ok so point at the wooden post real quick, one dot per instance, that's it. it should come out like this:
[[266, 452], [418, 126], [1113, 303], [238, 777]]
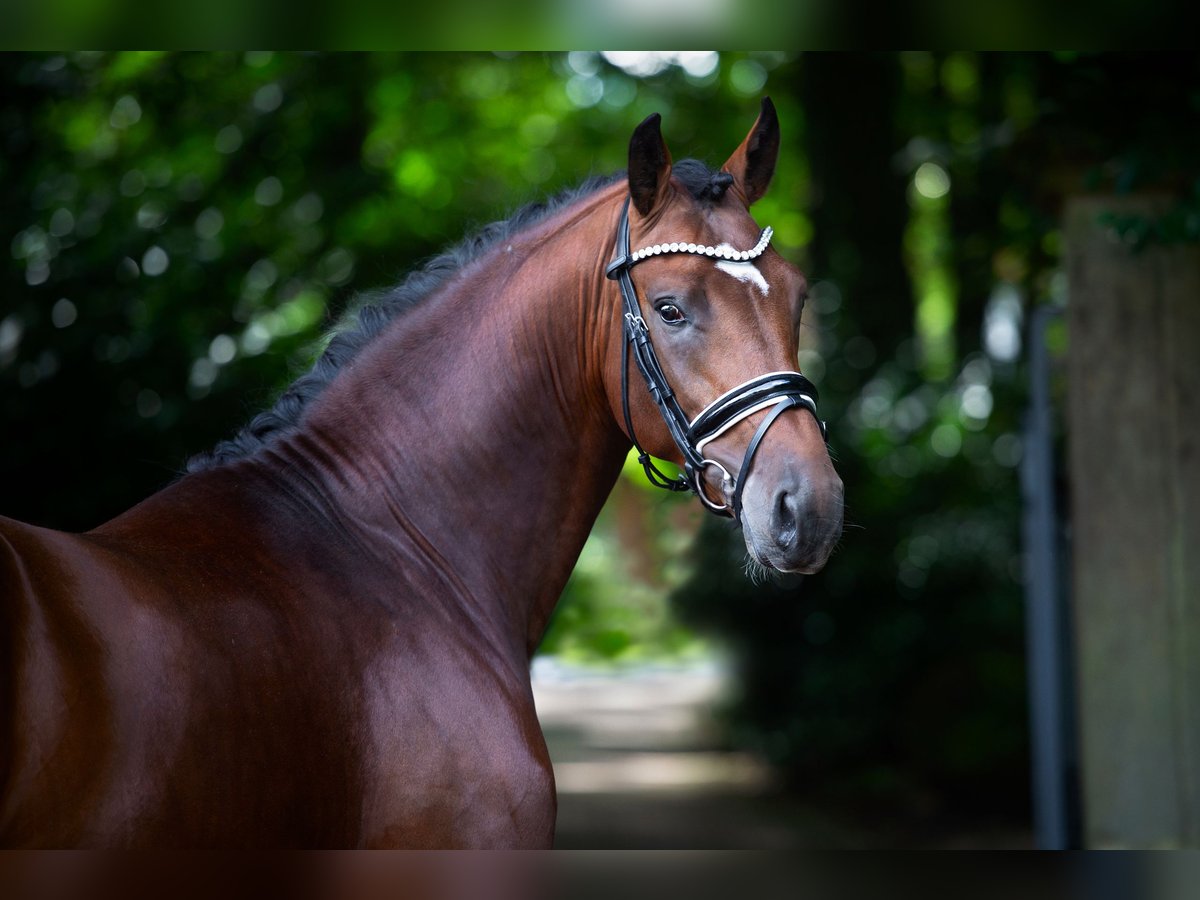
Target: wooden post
[[1134, 444]]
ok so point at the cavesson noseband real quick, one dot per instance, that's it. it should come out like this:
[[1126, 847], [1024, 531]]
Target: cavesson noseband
[[776, 390]]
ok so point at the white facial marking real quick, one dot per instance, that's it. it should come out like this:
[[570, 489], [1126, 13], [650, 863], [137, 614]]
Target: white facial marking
[[743, 271]]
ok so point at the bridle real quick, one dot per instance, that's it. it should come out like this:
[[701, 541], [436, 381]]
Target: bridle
[[778, 391]]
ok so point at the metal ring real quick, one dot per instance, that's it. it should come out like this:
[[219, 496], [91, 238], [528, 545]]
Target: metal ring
[[728, 480]]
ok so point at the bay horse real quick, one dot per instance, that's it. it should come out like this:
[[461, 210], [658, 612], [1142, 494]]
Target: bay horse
[[320, 635]]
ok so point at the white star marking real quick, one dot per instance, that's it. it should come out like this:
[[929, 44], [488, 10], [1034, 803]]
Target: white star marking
[[743, 271]]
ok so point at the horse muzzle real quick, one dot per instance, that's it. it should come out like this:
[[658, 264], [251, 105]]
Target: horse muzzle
[[792, 521]]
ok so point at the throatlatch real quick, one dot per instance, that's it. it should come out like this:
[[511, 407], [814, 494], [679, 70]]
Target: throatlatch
[[775, 390]]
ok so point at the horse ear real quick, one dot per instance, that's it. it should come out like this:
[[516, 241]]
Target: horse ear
[[649, 165], [753, 163]]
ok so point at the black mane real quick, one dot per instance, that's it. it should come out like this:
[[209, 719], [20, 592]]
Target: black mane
[[372, 313]]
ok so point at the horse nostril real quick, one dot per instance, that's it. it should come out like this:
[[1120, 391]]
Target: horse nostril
[[787, 506]]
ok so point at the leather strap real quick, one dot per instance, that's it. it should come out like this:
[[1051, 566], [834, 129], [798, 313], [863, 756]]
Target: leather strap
[[637, 338], [732, 406], [744, 472]]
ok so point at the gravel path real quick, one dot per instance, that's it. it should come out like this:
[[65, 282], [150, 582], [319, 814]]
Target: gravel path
[[639, 765]]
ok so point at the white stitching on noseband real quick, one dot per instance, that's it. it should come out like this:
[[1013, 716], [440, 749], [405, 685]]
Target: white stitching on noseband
[[745, 414]]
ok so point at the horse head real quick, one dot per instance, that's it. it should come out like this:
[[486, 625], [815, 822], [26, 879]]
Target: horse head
[[711, 318]]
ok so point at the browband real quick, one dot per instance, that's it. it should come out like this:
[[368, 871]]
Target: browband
[[722, 252]]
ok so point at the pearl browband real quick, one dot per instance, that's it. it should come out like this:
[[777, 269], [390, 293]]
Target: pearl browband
[[722, 252]]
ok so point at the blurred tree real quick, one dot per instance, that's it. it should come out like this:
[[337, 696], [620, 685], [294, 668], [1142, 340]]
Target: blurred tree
[[900, 668]]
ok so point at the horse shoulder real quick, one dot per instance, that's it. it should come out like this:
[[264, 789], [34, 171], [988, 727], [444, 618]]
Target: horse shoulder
[[153, 685], [58, 716], [453, 751]]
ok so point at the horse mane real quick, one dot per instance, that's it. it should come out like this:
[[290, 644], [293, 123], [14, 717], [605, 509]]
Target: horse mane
[[371, 312]]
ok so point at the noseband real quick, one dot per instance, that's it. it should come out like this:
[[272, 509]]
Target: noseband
[[775, 390]]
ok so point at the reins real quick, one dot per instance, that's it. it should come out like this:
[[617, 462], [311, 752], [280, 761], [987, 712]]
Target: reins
[[778, 391]]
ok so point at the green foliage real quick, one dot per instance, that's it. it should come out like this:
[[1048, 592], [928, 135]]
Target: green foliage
[[616, 607], [184, 227], [1180, 224]]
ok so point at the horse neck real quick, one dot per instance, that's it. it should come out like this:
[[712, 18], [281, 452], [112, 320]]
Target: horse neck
[[477, 425]]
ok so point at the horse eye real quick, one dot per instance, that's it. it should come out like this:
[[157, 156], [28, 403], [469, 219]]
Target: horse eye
[[671, 314]]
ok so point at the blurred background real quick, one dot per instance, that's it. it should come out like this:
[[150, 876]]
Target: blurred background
[[181, 230]]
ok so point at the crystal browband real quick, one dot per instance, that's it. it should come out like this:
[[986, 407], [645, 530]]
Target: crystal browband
[[724, 252]]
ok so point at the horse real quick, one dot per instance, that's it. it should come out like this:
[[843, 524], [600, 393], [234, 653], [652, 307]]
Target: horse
[[320, 634]]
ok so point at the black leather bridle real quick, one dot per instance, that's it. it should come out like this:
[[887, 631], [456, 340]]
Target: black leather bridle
[[777, 391]]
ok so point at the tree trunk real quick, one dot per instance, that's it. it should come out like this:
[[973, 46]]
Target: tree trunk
[[1134, 427]]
